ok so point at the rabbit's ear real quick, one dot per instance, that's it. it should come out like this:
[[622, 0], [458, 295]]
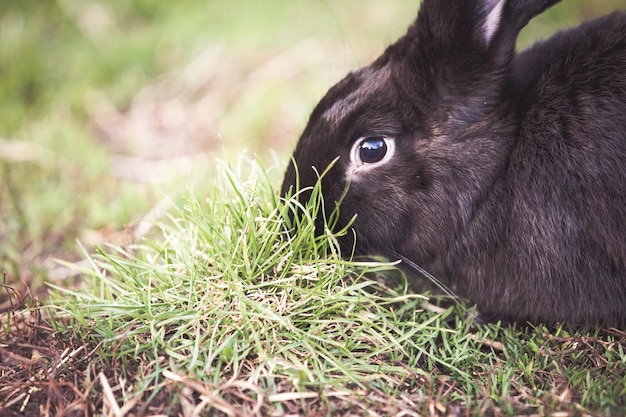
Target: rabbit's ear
[[458, 53], [475, 26]]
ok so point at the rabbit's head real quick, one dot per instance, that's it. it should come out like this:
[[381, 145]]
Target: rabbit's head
[[414, 138]]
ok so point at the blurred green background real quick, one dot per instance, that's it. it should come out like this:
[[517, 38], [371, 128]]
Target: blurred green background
[[107, 106]]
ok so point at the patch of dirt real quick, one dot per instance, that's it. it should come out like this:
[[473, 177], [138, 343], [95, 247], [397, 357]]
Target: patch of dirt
[[40, 369]]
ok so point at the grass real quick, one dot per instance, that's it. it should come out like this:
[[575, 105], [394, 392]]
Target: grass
[[188, 294]]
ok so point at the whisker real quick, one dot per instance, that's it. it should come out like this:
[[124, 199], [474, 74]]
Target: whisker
[[429, 276]]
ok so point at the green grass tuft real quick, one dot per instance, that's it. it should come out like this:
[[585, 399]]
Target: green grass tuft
[[225, 289]]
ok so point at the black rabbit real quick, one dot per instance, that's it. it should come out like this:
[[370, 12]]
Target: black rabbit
[[503, 173]]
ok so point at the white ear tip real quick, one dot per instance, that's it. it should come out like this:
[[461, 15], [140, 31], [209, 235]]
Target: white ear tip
[[492, 22]]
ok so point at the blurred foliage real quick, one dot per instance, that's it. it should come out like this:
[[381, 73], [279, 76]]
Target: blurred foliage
[[61, 48]]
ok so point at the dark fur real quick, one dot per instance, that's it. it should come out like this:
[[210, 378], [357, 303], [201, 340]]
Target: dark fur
[[509, 176]]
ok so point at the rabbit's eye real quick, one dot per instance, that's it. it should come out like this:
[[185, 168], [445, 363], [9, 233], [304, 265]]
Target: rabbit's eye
[[372, 150], [369, 153]]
